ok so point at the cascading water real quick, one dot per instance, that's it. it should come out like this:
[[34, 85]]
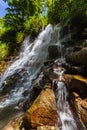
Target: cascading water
[[66, 116], [27, 65], [22, 72], [68, 122]]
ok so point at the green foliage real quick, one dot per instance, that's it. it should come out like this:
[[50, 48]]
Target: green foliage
[[3, 51], [3, 29], [58, 10], [9, 37], [19, 37], [24, 8], [34, 25], [62, 10], [23, 18], [27, 17]]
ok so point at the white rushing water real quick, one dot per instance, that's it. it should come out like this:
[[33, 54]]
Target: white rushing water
[[68, 122], [27, 65], [31, 55]]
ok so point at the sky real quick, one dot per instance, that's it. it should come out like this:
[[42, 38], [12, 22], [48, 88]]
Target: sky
[[3, 6]]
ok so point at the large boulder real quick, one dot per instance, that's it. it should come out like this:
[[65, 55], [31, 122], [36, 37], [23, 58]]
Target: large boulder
[[78, 57], [43, 111]]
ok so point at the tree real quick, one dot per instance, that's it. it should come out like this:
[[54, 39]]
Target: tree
[[62, 10], [18, 13]]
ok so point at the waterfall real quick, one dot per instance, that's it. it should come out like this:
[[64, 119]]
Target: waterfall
[[27, 65], [66, 116]]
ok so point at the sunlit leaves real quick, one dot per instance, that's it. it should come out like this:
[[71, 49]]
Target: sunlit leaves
[[3, 50], [34, 25], [65, 9], [19, 37]]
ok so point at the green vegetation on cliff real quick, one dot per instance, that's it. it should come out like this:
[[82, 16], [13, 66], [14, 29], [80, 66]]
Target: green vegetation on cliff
[[26, 17]]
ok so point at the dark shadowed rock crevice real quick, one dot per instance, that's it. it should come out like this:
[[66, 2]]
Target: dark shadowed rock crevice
[[78, 57], [53, 51]]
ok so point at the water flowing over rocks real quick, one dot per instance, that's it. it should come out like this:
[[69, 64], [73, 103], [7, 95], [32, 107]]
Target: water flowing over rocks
[[51, 98], [50, 110], [16, 82]]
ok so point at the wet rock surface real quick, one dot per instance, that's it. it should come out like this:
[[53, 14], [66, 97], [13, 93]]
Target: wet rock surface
[[43, 111], [81, 107]]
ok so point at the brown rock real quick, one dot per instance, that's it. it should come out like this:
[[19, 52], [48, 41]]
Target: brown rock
[[78, 86], [81, 107], [77, 83], [43, 111], [14, 124], [47, 128]]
